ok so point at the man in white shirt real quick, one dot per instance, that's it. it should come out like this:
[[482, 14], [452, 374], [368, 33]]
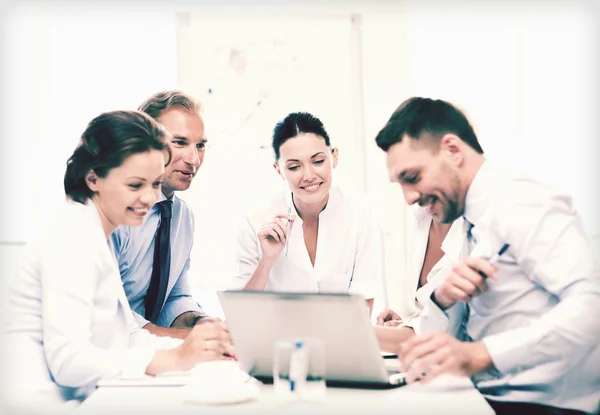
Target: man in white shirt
[[531, 341]]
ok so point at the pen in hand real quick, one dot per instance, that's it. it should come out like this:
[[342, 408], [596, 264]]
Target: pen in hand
[[494, 259], [288, 228]]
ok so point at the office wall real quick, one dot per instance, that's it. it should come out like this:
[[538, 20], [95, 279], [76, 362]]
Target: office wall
[[64, 65], [61, 66], [525, 74]]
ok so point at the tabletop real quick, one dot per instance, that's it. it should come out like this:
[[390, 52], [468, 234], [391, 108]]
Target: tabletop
[[445, 394]]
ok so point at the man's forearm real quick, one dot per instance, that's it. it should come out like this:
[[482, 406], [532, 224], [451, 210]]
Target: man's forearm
[[180, 327], [187, 319], [390, 337]]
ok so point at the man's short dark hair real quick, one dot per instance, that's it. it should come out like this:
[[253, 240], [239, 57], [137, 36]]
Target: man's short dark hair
[[417, 115]]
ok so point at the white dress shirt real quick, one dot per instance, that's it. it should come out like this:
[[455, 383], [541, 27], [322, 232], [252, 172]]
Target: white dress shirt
[[347, 258], [538, 319], [417, 227], [68, 322]]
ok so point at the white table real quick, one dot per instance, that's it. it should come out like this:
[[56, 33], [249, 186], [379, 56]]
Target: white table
[[446, 394]]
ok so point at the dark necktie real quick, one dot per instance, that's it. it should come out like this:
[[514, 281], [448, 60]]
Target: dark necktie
[[162, 262], [471, 241], [469, 245]]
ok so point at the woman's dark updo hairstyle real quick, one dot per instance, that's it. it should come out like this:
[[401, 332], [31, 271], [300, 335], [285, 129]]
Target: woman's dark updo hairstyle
[[107, 141], [294, 124]]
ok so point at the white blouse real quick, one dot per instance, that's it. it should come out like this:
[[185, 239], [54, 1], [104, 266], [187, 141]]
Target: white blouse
[[348, 248], [418, 225], [68, 322]]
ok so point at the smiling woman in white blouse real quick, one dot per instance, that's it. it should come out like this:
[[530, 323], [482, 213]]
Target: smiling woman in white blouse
[[433, 250], [312, 236], [68, 322]]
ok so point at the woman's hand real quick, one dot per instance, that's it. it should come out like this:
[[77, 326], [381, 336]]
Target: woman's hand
[[273, 235], [207, 341], [388, 317]]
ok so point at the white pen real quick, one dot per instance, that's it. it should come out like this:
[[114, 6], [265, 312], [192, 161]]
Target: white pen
[[288, 228], [494, 259]]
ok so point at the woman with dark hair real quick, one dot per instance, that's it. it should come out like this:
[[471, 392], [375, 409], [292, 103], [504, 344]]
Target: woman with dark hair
[[312, 237], [68, 320]]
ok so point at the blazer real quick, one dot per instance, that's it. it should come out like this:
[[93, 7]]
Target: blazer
[[68, 322]]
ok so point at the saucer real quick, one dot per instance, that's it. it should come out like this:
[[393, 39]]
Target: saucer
[[220, 394]]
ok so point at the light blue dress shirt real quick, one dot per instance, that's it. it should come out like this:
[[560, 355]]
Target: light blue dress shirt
[[134, 248]]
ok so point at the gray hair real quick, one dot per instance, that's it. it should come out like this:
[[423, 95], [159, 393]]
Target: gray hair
[[163, 101]]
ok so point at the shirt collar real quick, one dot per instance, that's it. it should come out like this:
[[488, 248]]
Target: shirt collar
[[162, 198], [476, 198], [454, 240], [91, 207], [332, 202]]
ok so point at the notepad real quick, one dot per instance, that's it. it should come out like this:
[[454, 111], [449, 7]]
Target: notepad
[[174, 378]]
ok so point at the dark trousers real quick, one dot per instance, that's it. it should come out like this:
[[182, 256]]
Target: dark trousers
[[506, 408]]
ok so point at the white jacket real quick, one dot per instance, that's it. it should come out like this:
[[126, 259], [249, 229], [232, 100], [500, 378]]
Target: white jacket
[[68, 322]]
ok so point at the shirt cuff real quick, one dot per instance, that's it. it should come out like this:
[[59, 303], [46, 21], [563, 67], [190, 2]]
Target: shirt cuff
[[433, 318], [135, 362], [414, 323], [511, 350], [141, 321], [175, 308], [143, 338]]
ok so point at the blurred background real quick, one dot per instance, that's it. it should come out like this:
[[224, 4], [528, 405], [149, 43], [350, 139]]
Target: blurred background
[[525, 73]]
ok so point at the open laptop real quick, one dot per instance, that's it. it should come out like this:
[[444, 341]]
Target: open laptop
[[258, 319]]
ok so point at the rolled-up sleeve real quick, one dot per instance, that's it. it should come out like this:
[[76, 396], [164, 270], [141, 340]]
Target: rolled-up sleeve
[[554, 251], [180, 300], [453, 320], [247, 253], [139, 319]]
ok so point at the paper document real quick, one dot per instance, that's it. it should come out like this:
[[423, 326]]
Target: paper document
[[174, 378]]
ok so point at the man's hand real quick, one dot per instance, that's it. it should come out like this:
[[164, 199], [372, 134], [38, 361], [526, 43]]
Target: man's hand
[[426, 356], [388, 318], [464, 282]]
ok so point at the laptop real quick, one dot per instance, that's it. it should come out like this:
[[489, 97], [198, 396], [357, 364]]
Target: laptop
[[258, 319]]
